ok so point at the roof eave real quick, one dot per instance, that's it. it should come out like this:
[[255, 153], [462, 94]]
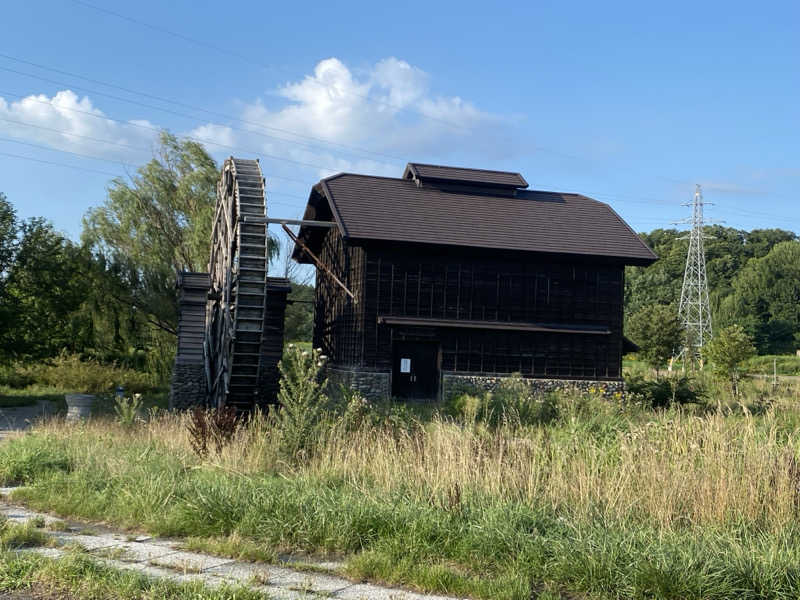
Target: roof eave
[[322, 190]]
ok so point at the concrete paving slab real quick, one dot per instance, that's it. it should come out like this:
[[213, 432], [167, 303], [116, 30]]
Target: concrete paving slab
[[368, 591], [90, 542], [188, 562], [309, 581], [141, 552], [242, 571], [162, 558], [279, 593], [46, 552], [21, 515]]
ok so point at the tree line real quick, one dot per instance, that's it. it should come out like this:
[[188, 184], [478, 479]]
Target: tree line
[[111, 295], [753, 280]]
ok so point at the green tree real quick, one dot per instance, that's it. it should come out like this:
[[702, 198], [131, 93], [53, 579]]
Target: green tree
[[299, 322], [766, 298], [44, 290], [657, 331], [157, 223], [8, 236], [727, 253], [727, 351]]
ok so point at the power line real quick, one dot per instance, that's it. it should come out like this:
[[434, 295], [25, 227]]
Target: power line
[[51, 149], [153, 107], [71, 134], [602, 196], [264, 65], [351, 149], [598, 195], [259, 125], [354, 149], [57, 164], [172, 33], [191, 138], [13, 141]]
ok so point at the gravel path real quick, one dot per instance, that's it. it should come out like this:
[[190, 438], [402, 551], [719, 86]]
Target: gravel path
[[163, 558]]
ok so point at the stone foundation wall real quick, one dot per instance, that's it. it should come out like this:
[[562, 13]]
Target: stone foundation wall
[[373, 385], [188, 386], [453, 385]]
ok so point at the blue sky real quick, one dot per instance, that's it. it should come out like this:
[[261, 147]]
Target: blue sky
[[631, 103]]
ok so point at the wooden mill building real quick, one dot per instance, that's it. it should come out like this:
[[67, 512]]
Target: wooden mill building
[[465, 275]]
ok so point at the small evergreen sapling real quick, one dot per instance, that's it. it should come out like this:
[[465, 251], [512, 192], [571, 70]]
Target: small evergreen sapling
[[302, 398]]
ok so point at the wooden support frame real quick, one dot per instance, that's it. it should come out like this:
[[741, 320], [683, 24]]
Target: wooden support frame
[[302, 222], [318, 262]]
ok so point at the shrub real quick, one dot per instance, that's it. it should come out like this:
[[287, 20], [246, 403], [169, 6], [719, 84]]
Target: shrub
[[514, 402], [658, 332], [727, 351], [212, 427], [127, 409], [355, 410], [352, 410], [70, 373], [17, 376], [302, 398], [664, 392]]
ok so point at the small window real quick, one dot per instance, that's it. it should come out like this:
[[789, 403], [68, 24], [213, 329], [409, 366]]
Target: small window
[[405, 365]]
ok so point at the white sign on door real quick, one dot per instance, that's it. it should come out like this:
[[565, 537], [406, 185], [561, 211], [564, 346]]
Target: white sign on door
[[405, 365]]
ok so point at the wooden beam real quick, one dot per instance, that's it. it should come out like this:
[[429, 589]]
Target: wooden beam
[[318, 262], [494, 325], [302, 222]]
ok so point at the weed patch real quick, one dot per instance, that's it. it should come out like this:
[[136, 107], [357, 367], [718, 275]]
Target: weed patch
[[79, 575], [600, 499]]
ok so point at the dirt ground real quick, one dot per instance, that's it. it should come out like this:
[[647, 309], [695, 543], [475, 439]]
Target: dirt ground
[[36, 593]]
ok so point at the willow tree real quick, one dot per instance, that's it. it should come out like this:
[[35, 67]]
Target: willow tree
[[151, 225]]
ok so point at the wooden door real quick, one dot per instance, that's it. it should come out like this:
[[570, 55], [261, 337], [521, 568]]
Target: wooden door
[[415, 372]]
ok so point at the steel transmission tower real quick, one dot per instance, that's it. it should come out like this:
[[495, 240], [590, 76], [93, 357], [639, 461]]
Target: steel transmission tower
[[695, 310]]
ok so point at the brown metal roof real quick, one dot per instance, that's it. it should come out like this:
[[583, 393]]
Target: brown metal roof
[[385, 208], [464, 176]]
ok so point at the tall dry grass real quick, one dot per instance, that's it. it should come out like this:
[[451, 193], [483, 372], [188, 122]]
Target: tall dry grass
[[669, 469]]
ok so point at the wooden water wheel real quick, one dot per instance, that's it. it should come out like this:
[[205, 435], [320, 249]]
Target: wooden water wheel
[[235, 311]]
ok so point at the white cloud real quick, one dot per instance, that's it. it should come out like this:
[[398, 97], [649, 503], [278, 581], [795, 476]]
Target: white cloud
[[389, 110], [333, 119], [67, 122]]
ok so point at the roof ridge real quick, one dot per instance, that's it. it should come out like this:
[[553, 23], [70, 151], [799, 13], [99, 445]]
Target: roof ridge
[[403, 180], [332, 177], [464, 168]]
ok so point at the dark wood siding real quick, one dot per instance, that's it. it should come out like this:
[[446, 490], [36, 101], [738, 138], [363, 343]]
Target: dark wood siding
[[193, 293], [407, 281], [272, 341], [339, 321]]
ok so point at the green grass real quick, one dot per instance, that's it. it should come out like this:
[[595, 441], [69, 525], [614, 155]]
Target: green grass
[[79, 576], [14, 536], [787, 364], [305, 346], [30, 396], [495, 551], [604, 501]]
